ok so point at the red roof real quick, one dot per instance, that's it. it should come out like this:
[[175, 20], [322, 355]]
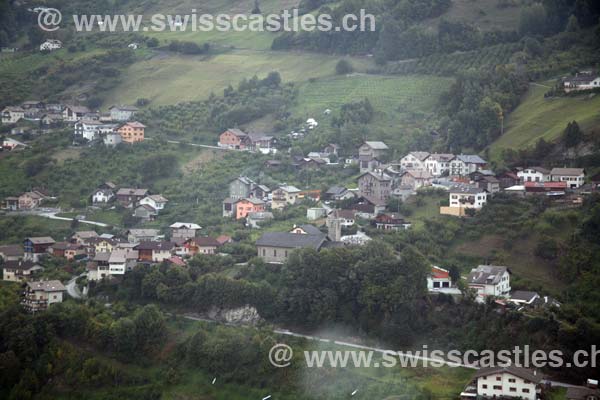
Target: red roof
[[222, 239], [546, 185], [439, 273]]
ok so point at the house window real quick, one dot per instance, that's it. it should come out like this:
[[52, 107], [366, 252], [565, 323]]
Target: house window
[[496, 387], [484, 386], [511, 380], [498, 378], [525, 390], [512, 389], [274, 253]]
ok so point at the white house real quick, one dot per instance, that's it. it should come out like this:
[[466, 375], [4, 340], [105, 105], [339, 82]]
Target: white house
[[50, 45], [12, 115], [155, 201], [122, 113], [121, 261], [112, 139], [574, 177], [438, 278], [415, 160], [465, 164], [463, 197], [283, 196], [91, 130], [504, 382], [75, 113], [585, 80], [102, 196], [534, 174], [40, 295], [490, 280], [438, 164]]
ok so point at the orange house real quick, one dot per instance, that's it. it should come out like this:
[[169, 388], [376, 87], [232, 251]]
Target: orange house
[[234, 139], [245, 206], [132, 132]]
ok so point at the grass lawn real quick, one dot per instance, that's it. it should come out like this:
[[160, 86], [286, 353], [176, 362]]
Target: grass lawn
[[170, 79], [537, 117]]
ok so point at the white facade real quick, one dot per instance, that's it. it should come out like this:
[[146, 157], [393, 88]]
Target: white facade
[[489, 280], [155, 201], [475, 200], [574, 177], [533, 175], [112, 139], [12, 115], [102, 196], [91, 130], [414, 160], [504, 384], [51, 44], [438, 164]]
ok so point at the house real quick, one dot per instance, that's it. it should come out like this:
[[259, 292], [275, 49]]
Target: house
[[248, 205], [142, 235], [122, 113], [184, 230], [508, 179], [585, 80], [415, 178], [533, 174], [82, 237], [375, 185], [74, 113], [51, 45], [283, 196], [504, 382], [12, 144], [52, 118], [370, 155], [112, 139], [262, 143], [68, 250], [438, 278], [145, 212], [11, 252], [358, 239], [260, 192], [102, 196], [11, 203], [35, 247], [311, 194], [201, 245], [462, 198], [129, 197], [19, 270], [256, 219], [485, 179], [155, 251], [437, 164], [275, 247], [155, 201], [306, 229], [31, 200], [523, 297], [121, 261], [12, 115], [574, 177], [338, 193], [554, 189], [464, 164], [91, 130], [241, 187], [229, 207], [391, 222], [595, 181], [234, 139], [331, 149], [415, 160], [588, 392], [101, 245], [367, 207], [132, 132], [314, 213], [97, 271], [346, 218], [41, 294], [490, 280], [224, 239]]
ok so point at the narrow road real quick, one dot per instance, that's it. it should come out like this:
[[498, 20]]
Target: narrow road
[[73, 289], [82, 221]]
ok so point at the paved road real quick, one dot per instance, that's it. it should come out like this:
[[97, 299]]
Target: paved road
[[73, 289], [83, 221]]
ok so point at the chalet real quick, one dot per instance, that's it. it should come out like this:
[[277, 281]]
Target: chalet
[[595, 181], [19, 270], [283, 196], [310, 163], [533, 174], [391, 222], [82, 237], [142, 235], [132, 132], [101, 245], [553, 189], [347, 218], [155, 201], [331, 149], [257, 219], [463, 165], [129, 197], [145, 212], [122, 113], [337, 193], [375, 185], [35, 247], [574, 177], [234, 139], [102, 196], [52, 118], [276, 247], [12, 115], [508, 179], [415, 178], [260, 192], [504, 383], [438, 278], [523, 297], [11, 203], [261, 142], [74, 113], [154, 251], [201, 245], [68, 250], [370, 154], [229, 207], [368, 207], [248, 205], [490, 280], [41, 294], [438, 164], [97, 271], [273, 164], [11, 252], [486, 180], [184, 230], [462, 198], [241, 187], [121, 261], [415, 160], [585, 80], [91, 130], [31, 200]]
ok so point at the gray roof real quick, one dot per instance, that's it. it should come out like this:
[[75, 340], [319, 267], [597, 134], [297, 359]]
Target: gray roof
[[336, 190], [379, 176], [523, 295], [567, 171], [47, 286], [487, 274], [11, 250], [185, 225], [581, 392], [465, 189], [260, 215], [102, 256], [132, 192], [21, 265], [445, 157], [291, 240], [41, 240], [523, 373], [310, 229], [237, 132], [471, 159], [420, 155], [376, 145], [143, 232]]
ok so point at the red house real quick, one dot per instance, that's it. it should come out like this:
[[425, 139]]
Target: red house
[[235, 139]]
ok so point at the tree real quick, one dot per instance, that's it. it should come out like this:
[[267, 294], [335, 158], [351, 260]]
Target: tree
[[572, 135], [152, 42], [533, 20], [343, 67], [572, 24]]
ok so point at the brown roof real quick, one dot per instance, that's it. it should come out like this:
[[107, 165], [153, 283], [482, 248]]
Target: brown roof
[[20, 265], [41, 240], [11, 250], [47, 286], [522, 373], [205, 241], [147, 245]]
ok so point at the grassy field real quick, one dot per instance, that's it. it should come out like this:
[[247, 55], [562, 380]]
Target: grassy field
[[537, 117], [168, 79]]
